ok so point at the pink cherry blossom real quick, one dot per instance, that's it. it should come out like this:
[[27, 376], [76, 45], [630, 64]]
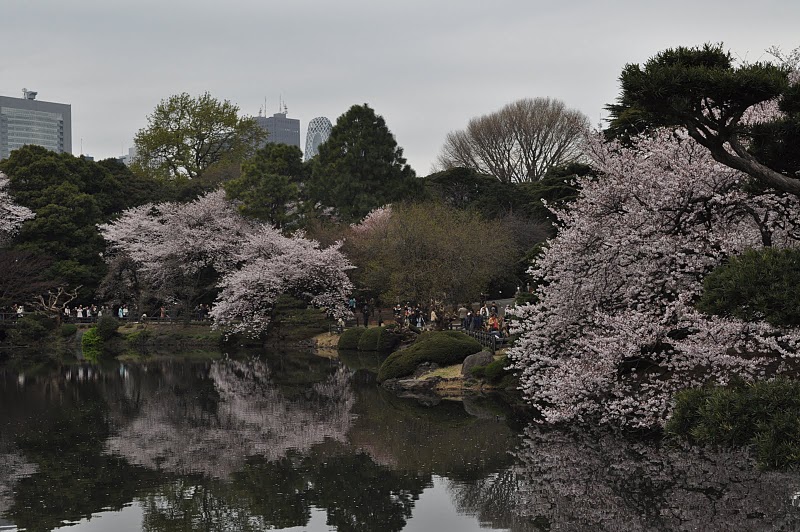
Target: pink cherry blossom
[[174, 243], [11, 214], [614, 333]]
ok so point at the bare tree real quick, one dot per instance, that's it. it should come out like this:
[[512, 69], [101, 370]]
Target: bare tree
[[520, 142]]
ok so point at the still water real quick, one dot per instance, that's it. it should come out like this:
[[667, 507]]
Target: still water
[[293, 441]]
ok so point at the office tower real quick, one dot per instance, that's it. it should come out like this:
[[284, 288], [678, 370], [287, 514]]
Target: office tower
[[27, 120], [280, 128], [319, 129]]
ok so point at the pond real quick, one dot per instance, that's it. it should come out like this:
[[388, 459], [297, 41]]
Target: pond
[[294, 441]]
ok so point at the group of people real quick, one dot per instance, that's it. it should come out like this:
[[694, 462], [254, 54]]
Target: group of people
[[487, 318], [91, 313]]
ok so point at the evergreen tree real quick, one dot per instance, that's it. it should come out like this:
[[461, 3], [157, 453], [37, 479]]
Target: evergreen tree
[[361, 167]]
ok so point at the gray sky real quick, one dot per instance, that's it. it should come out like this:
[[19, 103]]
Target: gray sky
[[426, 66]]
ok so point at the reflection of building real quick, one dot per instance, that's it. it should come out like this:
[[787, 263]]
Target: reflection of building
[[319, 129], [27, 120], [280, 128]]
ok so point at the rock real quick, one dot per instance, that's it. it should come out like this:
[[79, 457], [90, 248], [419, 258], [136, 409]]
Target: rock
[[425, 367], [420, 390], [483, 358]]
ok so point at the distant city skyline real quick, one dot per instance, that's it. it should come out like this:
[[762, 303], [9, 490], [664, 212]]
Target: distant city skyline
[[426, 67]]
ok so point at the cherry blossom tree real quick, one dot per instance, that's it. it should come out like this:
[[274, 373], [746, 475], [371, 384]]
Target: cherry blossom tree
[[185, 251], [11, 214], [614, 333]]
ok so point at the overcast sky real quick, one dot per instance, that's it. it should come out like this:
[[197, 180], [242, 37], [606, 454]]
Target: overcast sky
[[426, 66]]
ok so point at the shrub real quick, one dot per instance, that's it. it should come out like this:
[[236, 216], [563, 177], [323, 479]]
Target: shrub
[[388, 339], [349, 338], [369, 339], [68, 329], [765, 415], [29, 330], [91, 345], [442, 347], [107, 327], [759, 285], [493, 372]]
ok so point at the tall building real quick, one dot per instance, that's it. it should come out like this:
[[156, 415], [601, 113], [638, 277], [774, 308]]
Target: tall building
[[280, 128], [319, 129], [27, 120]]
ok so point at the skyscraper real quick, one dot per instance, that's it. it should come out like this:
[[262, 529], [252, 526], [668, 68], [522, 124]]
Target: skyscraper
[[27, 120], [280, 128], [319, 129]]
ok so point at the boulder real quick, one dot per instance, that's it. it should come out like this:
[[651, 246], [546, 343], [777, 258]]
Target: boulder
[[425, 367], [484, 358]]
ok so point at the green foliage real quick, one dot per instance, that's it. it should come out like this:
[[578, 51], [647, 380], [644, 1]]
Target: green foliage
[[360, 167], [759, 285], [430, 251], [369, 339], [557, 187], [703, 91], [466, 189], [350, 338], [388, 338], [668, 90], [29, 330], [68, 329], [185, 136], [70, 196], [493, 372], [442, 347], [92, 345], [765, 414], [268, 188], [107, 327]]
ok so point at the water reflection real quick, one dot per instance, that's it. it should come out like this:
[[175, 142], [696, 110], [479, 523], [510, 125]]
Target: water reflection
[[274, 442], [580, 480], [235, 410]]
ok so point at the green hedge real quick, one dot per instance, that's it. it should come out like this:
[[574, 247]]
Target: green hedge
[[349, 338], [493, 372], [765, 415], [68, 329], [369, 339], [91, 345], [388, 339], [107, 327], [443, 347], [759, 285]]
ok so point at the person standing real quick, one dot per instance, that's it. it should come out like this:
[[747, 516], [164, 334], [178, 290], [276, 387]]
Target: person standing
[[462, 316], [365, 312]]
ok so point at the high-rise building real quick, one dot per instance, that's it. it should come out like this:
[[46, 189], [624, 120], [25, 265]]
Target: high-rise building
[[319, 129], [27, 120], [280, 128]]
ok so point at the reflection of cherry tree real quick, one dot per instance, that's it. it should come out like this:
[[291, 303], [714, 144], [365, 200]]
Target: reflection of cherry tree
[[13, 468], [252, 417], [575, 480]]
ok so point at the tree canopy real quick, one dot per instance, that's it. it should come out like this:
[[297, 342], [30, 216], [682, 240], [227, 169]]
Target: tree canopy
[[185, 136], [70, 196], [270, 184], [428, 252], [702, 90], [518, 143], [360, 167]]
